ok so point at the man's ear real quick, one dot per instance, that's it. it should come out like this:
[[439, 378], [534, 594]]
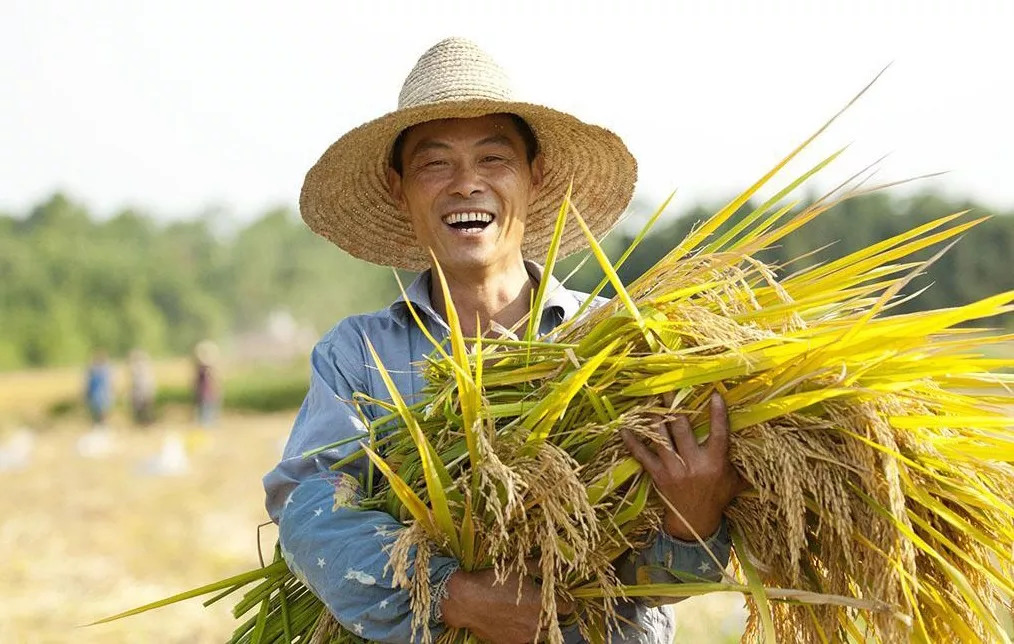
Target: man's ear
[[394, 188], [538, 171]]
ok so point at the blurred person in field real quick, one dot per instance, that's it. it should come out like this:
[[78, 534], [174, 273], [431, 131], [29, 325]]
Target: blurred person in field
[[142, 388], [99, 389], [207, 391]]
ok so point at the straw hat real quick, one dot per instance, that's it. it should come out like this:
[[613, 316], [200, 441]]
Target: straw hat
[[345, 198]]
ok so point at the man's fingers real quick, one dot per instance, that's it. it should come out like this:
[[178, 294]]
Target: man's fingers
[[648, 460], [683, 437], [718, 438], [668, 397], [667, 452], [564, 606]]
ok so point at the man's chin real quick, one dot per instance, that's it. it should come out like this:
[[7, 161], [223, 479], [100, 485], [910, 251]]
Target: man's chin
[[468, 262]]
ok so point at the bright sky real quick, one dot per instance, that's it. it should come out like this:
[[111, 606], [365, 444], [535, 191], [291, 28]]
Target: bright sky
[[178, 107]]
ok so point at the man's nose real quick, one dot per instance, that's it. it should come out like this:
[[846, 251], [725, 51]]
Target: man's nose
[[467, 181]]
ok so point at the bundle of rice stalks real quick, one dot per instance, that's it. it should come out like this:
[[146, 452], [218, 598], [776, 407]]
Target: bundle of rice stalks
[[877, 446]]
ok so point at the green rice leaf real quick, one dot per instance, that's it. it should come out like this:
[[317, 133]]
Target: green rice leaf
[[756, 587]]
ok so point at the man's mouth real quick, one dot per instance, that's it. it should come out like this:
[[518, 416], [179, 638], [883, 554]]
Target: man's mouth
[[469, 222]]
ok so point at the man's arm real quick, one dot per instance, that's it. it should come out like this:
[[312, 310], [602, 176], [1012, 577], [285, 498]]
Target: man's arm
[[336, 549]]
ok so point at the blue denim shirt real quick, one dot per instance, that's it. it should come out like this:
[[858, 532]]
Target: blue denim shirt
[[339, 551]]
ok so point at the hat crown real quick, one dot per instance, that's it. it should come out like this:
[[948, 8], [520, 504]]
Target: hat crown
[[454, 69]]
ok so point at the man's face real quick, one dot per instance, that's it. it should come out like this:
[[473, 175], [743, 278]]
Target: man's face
[[466, 183]]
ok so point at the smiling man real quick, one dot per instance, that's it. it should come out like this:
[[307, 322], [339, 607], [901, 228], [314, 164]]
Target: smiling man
[[464, 171], [466, 184]]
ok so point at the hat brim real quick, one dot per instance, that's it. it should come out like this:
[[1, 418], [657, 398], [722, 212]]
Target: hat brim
[[345, 197]]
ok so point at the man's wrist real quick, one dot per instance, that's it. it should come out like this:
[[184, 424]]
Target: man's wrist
[[453, 611], [439, 592], [676, 528]]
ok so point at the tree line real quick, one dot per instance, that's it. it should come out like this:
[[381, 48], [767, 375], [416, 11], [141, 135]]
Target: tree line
[[71, 282]]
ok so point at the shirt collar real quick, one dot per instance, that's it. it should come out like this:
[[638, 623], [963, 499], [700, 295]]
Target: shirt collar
[[558, 297], [418, 295]]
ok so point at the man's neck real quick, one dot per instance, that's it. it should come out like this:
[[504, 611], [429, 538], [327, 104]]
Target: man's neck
[[499, 295]]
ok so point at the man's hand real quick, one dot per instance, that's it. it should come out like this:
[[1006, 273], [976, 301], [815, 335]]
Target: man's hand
[[492, 611], [697, 480]]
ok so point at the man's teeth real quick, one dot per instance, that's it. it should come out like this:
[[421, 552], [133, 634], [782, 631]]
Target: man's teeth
[[466, 217]]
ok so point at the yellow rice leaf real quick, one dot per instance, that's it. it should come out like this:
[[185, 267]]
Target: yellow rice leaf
[[761, 412], [633, 509], [520, 375], [466, 386], [781, 310], [469, 395], [767, 205], [720, 368], [916, 492], [535, 315], [860, 267], [695, 238], [980, 498], [626, 254], [479, 361], [852, 259], [684, 293], [468, 537], [986, 571], [433, 467], [939, 422], [419, 323], [607, 268], [896, 287], [405, 494], [551, 408], [997, 380], [768, 238], [818, 629], [919, 633], [979, 449]]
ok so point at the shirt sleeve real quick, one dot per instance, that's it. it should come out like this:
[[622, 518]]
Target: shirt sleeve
[[337, 549], [666, 558]]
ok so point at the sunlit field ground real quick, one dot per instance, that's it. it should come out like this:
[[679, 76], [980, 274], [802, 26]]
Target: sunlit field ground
[[87, 537]]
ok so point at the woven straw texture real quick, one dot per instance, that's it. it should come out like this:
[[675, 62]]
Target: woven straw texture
[[345, 198]]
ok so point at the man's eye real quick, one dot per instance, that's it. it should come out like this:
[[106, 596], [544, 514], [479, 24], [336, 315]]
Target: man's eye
[[492, 158], [434, 163]]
